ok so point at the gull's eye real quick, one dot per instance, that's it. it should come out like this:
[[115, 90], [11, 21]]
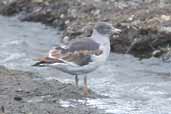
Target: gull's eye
[[107, 29]]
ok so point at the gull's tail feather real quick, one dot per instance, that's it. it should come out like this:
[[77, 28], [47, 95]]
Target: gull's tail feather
[[39, 64], [43, 61]]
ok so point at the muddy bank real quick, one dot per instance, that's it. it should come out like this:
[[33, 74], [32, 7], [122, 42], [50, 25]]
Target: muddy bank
[[22, 93], [145, 24]]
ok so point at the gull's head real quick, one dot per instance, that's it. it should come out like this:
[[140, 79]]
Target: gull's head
[[104, 28]]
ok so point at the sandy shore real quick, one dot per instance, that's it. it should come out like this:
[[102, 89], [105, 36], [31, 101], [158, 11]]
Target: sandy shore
[[21, 93]]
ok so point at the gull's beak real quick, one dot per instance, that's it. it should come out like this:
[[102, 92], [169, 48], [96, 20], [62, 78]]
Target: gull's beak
[[116, 30]]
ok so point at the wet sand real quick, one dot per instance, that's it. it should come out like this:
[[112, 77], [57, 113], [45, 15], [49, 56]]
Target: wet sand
[[24, 93]]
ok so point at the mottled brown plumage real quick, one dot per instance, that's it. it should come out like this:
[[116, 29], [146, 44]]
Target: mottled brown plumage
[[79, 57], [83, 55]]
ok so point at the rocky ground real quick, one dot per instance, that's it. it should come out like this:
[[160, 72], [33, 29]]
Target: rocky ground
[[21, 94], [145, 24], [145, 31]]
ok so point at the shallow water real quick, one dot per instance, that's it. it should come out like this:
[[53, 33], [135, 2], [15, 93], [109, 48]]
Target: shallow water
[[132, 86]]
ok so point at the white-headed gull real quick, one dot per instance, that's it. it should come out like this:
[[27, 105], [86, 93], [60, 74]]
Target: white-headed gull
[[81, 56]]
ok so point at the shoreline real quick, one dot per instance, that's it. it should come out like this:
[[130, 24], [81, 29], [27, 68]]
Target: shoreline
[[22, 95]]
